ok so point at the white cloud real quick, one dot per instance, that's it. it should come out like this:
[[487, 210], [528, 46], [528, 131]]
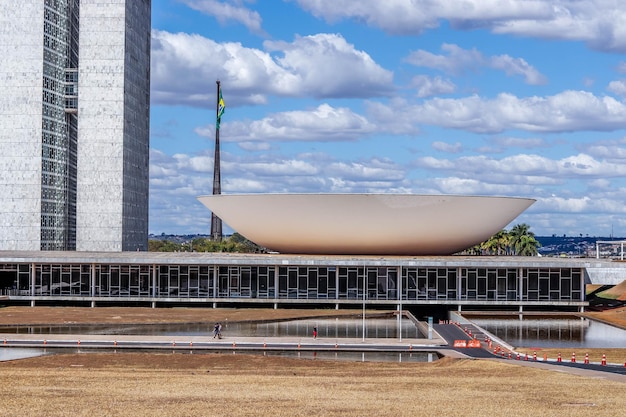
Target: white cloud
[[506, 142], [322, 124], [328, 66], [564, 112], [468, 186], [617, 88], [517, 66], [482, 167], [614, 151], [225, 11], [184, 66], [458, 60], [599, 23], [585, 204], [432, 86], [447, 147], [254, 146]]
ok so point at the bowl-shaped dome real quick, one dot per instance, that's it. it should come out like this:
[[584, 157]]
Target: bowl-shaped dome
[[365, 224]]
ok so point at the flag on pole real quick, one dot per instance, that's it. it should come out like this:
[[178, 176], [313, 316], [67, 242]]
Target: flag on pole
[[220, 110]]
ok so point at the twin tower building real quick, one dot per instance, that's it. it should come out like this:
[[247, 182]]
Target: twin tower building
[[74, 125]]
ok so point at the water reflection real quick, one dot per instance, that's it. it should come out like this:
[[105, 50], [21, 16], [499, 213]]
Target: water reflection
[[327, 328], [412, 357], [566, 333], [9, 354]]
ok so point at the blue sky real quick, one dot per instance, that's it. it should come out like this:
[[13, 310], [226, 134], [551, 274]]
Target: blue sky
[[522, 98]]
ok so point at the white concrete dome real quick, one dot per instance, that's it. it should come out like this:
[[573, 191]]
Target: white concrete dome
[[365, 224]]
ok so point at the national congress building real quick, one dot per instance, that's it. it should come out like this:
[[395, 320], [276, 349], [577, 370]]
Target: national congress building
[[74, 124], [74, 146]]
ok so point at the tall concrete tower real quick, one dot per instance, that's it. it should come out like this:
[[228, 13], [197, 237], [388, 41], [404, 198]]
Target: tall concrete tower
[[74, 124]]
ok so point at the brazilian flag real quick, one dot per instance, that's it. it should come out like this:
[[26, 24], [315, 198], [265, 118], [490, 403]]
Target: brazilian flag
[[220, 110]]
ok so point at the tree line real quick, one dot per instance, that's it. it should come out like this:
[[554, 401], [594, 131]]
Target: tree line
[[234, 243]]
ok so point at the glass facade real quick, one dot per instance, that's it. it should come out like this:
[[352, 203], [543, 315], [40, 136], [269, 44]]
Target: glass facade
[[293, 283], [59, 125]]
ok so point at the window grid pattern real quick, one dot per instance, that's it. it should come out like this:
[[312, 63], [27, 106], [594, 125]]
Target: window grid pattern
[[295, 282]]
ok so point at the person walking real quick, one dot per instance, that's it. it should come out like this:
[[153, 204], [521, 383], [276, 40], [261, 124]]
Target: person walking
[[315, 332], [217, 331]]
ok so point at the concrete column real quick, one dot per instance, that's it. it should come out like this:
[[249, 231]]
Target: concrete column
[[275, 281], [215, 279], [458, 283], [92, 280], [154, 281], [33, 268]]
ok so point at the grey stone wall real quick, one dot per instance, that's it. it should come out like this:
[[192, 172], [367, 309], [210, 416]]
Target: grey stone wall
[[21, 66], [112, 196]]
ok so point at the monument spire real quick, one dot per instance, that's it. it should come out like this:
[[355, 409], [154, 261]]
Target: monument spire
[[216, 222]]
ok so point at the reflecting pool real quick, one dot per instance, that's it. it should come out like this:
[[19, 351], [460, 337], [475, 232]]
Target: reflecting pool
[[381, 328], [561, 332]]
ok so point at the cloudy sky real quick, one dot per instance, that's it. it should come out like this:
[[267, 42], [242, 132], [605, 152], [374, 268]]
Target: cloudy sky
[[521, 98]]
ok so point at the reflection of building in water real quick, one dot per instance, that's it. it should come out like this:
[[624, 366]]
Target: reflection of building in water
[[558, 332]]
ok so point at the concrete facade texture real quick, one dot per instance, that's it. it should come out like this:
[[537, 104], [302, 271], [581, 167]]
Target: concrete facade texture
[[89, 190]]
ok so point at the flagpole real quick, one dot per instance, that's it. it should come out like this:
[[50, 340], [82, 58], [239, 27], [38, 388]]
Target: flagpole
[[216, 222]]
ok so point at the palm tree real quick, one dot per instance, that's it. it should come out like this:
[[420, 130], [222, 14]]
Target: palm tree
[[498, 243], [522, 241], [528, 245], [516, 234]]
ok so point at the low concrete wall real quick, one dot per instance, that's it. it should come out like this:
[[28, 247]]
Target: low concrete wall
[[606, 276]]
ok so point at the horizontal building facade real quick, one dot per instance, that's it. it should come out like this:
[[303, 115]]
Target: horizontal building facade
[[191, 278]]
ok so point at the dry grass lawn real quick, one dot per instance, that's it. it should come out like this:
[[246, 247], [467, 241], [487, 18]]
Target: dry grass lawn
[[224, 384], [140, 384]]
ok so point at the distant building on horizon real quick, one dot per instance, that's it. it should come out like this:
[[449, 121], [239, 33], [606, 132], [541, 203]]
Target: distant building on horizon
[[74, 124]]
